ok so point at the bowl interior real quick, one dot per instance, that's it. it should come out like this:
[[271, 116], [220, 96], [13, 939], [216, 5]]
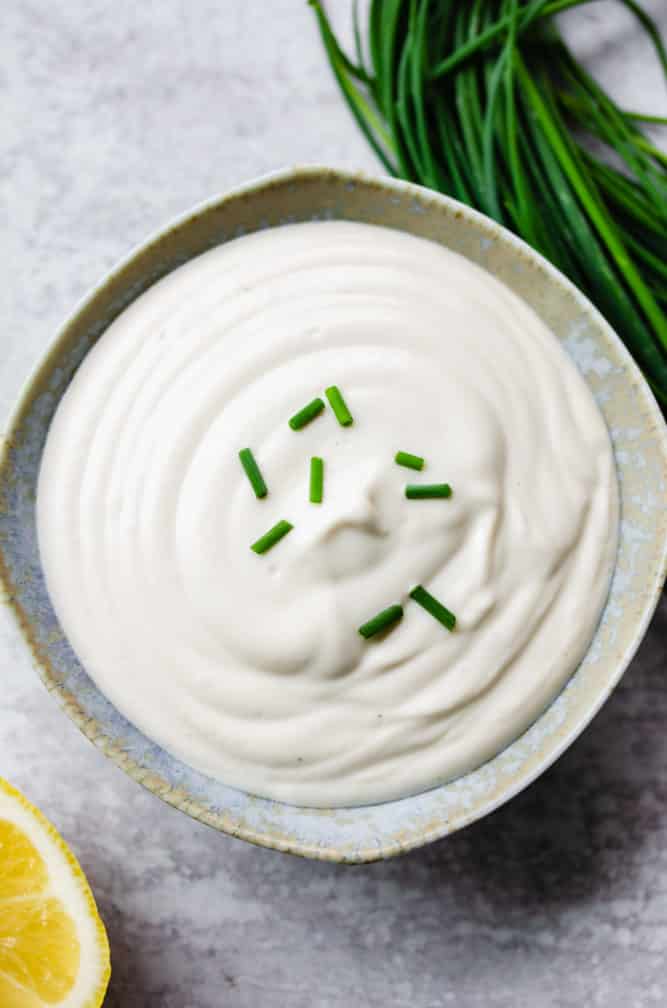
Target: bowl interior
[[636, 426]]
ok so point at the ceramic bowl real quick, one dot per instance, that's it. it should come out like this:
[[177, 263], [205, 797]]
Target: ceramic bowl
[[640, 443]]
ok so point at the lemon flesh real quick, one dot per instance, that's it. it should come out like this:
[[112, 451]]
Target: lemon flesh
[[53, 946]]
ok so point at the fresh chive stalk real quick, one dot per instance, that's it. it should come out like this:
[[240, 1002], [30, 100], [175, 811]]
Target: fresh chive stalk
[[339, 406], [316, 480], [383, 621], [252, 472], [485, 102], [409, 461], [427, 491], [432, 606], [273, 536], [305, 415]]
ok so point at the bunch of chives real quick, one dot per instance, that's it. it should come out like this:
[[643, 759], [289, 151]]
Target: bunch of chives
[[485, 102]]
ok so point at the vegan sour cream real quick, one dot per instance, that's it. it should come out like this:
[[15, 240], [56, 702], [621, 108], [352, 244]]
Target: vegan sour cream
[[250, 667]]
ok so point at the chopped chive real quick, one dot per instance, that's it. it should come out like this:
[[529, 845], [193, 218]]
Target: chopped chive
[[382, 621], [252, 472], [305, 415], [409, 461], [270, 538], [432, 606], [316, 479], [426, 491], [338, 405]]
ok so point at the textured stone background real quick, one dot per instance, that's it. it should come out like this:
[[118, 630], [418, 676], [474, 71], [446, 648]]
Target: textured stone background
[[115, 116]]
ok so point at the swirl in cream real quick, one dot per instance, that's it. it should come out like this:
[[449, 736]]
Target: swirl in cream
[[250, 668]]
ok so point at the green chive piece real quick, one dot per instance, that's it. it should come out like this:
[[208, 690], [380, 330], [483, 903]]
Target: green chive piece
[[383, 620], [432, 606], [409, 461], [305, 415], [426, 491], [252, 472], [338, 405], [270, 538], [316, 479]]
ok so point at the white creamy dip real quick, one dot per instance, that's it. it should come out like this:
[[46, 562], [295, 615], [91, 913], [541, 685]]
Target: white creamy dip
[[251, 668]]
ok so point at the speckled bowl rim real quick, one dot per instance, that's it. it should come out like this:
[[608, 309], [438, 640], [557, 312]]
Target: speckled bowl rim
[[142, 774]]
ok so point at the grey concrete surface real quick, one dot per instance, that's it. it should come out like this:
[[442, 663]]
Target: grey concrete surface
[[113, 117]]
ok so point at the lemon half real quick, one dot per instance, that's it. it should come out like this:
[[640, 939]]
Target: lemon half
[[53, 946]]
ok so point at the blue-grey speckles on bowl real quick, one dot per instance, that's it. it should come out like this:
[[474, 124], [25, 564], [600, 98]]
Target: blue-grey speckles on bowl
[[640, 442]]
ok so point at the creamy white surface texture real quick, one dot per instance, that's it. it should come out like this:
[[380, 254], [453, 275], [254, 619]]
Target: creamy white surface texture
[[251, 668]]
